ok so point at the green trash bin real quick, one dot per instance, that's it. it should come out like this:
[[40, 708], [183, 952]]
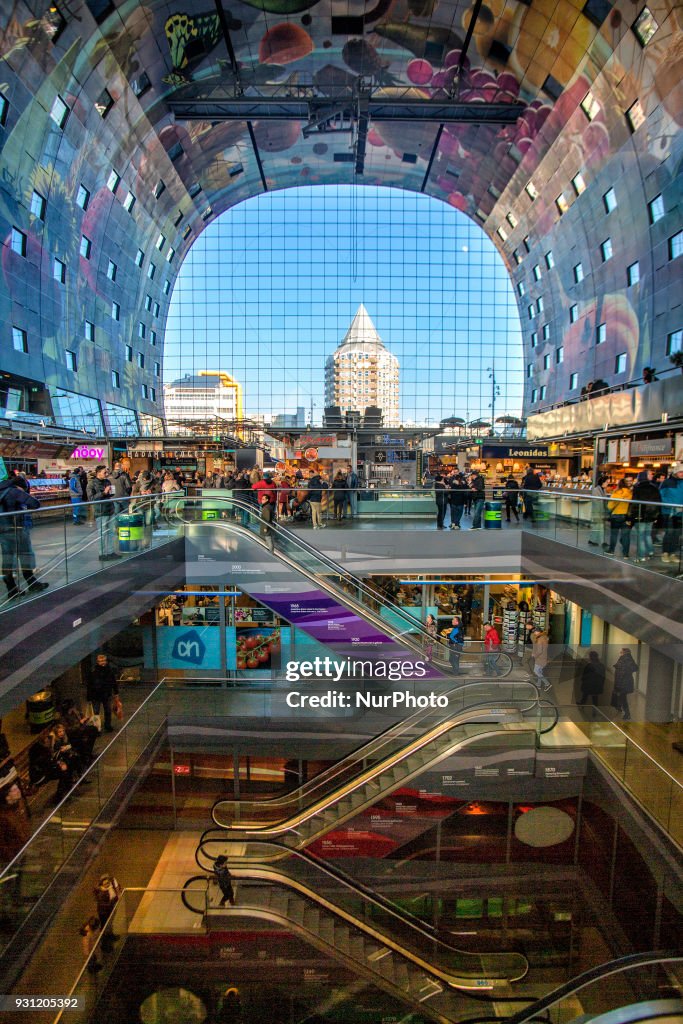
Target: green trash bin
[[208, 514], [131, 527], [41, 710], [493, 515]]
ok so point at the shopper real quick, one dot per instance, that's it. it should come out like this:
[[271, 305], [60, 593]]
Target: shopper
[[511, 495], [121, 487], [102, 688], [671, 493], [15, 535], [90, 932], [224, 879], [491, 648], [352, 485], [645, 515], [456, 643], [478, 489], [339, 494], [620, 521], [100, 491], [76, 497], [531, 483], [432, 630], [457, 493], [316, 486], [540, 654], [592, 680], [624, 671], [106, 893], [267, 516], [599, 513], [441, 499]]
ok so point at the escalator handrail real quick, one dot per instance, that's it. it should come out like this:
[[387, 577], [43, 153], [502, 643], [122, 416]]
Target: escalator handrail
[[413, 624], [298, 819], [581, 981], [394, 731]]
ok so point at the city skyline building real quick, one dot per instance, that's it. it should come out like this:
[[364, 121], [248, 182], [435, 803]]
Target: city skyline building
[[363, 373], [199, 398]]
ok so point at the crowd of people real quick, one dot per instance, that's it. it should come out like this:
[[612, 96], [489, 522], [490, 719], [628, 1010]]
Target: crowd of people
[[462, 493], [647, 504]]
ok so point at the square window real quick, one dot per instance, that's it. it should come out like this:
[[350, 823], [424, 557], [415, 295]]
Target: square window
[[167, 287], [610, 200], [153, 394], [141, 360], [86, 247], [620, 363], [141, 84], [115, 379], [527, 243], [38, 205], [561, 203], [159, 189], [573, 381], [19, 340], [590, 106], [144, 390], [170, 254], [517, 258], [148, 302], [511, 219], [534, 395], [178, 219], [4, 107], [60, 112], [139, 258], [100, 9], [151, 271], [531, 190], [152, 337], [71, 361], [579, 183], [606, 250], [539, 304], [655, 209], [18, 242], [578, 272], [157, 369], [573, 314], [194, 190], [546, 332], [520, 288], [531, 310], [633, 274], [142, 330], [104, 103], [676, 245], [175, 152], [549, 259], [155, 309], [129, 202], [161, 242], [208, 212], [89, 331], [537, 273], [113, 181], [635, 116], [546, 362], [187, 232], [542, 392], [600, 334], [645, 26], [674, 342], [129, 354], [534, 339], [115, 311], [559, 354], [597, 10], [112, 270], [59, 271], [83, 197], [529, 369]]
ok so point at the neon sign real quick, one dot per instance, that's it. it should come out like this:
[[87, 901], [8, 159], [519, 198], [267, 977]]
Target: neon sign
[[84, 452]]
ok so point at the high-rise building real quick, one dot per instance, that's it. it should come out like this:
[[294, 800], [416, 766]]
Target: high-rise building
[[198, 399], [362, 372]]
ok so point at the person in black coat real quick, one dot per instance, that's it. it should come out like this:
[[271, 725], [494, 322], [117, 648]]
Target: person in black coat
[[592, 679], [458, 492], [511, 495], [441, 498], [624, 671], [645, 490], [530, 484], [102, 688]]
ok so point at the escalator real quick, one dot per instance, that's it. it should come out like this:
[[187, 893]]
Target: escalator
[[313, 592]]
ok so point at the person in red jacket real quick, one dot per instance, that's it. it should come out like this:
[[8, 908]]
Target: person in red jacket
[[491, 648], [265, 486]]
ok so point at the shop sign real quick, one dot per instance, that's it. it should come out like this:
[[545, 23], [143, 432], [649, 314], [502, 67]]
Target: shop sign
[[85, 452], [514, 451], [316, 440], [280, 466], [655, 446], [311, 454]]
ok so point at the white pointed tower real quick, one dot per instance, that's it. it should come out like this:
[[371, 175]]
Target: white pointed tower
[[362, 372]]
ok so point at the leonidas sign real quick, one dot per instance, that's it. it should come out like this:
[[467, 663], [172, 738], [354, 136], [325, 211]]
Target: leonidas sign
[[84, 452]]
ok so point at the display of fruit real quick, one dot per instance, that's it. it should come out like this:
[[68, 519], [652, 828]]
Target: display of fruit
[[256, 650]]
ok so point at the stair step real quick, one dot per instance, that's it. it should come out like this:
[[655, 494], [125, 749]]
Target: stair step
[[311, 918], [326, 929], [296, 910]]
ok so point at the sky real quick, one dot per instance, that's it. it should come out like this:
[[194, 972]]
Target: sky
[[269, 289]]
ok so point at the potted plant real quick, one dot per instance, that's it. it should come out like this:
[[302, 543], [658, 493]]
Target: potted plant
[[677, 358]]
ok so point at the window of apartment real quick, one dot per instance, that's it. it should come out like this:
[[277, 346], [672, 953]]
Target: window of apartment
[[140, 84], [531, 310], [187, 232], [83, 197], [115, 311], [674, 342], [559, 354], [676, 245], [600, 334], [655, 209], [139, 258], [19, 340], [549, 259], [534, 394], [59, 270], [153, 394], [573, 381], [645, 26], [161, 242], [142, 330], [157, 369], [129, 202], [148, 303], [520, 288], [86, 247], [633, 274], [529, 370], [129, 353], [573, 314], [104, 103], [194, 190], [112, 270], [546, 362], [606, 250], [635, 116], [539, 304], [620, 363], [542, 392], [167, 287], [511, 219], [546, 332], [578, 272], [4, 107], [60, 112], [561, 203], [208, 212], [531, 190], [609, 200], [534, 339], [152, 337], [141, 360], [145, 390], [579, 183], [178, 219], [151, 271], [38, 205], [170, 254], [517, 257], [590, 106], [115, 379], [537, 273], [18, 242], [159, 189], [71, 361], [155, 309], [89, 331], [113, 181]]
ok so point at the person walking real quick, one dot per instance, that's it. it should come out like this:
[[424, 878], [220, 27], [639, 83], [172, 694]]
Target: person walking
[[100, 491], [478, 489], [624, 670], [531, 483], [671, 493], [352, 485], [620, 521], [267, 516], [339, 495], [121, 487], [432, 630], [106, 893], [599, 513], [491, 649], [456, 642], [90, 932], [592, 680], [15, 535], [511, 495], [224, 879], [457, 493], [316, 486], [644, 515], [441, 499], [76, 497], [539, 653], [102, 688]]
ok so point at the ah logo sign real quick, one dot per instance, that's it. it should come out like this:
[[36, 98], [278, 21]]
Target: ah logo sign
[[189, 646]]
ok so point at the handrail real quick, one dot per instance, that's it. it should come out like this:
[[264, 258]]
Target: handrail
[[642, 750], [154, 496]]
